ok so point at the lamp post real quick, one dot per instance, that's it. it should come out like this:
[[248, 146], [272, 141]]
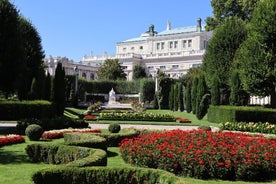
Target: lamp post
[[76, 70]]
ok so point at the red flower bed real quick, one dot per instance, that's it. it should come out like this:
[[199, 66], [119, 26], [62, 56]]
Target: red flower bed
[[11, 139], [55, 134], [89, 117], [204, 154]]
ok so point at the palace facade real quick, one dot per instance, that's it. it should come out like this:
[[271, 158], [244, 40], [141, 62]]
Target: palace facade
[[173, 51]]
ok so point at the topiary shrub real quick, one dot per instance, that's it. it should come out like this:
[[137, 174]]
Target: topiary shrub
[[34, 132], [114, 128]]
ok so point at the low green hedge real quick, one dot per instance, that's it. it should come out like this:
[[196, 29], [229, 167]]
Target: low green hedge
[[114, 139], [85, 140], [15, 110], [69, 155], [105, 175], [132, 116], [218, 114]]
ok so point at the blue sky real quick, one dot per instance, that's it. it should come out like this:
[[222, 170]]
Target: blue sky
[[74, 28]]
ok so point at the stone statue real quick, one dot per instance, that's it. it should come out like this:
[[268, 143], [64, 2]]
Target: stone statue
[[112, 97]]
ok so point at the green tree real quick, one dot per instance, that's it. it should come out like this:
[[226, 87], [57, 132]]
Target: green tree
[[203, 106], [139, 72], [111, 70], [215, 91], [175, 97], [200, 92], [256, 59], [194, 94], [188, 97], [32, 58], [47, 87], [171, 98], [59, 90], [147, 90], [223, 9], [181, 97], [10, 48], [235, 85], [220, 52]]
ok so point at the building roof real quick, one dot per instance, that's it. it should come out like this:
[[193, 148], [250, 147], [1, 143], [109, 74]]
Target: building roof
[[180, 30]]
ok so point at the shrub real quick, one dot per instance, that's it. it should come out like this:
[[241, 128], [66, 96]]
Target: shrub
[[249, 127], [34, 132], [205, 128], [204, 154], [69, 155], [85, 140], [104, 175], [114, 128], [55, 134], [24, 123]]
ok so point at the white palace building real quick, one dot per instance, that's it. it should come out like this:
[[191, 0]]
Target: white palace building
[[173, 51]]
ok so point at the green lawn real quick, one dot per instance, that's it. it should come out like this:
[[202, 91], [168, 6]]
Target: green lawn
[[16, 168]]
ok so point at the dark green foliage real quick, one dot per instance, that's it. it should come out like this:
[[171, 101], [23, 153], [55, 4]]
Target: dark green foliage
[[215, 91], [223, 9], [11, 51], [147, 88], [111, 70], [256, 57], [155, 101], [47, 87], [194, 94], [219, 56], [85, 140], [105, 175], [188, 97], [59, 90], [181, 97], [139, 72], [218, 114], [171, 98], [16, 110], [69, 155], [235, 86], [114, 128], [164, 91], [176, 97], [203, 106], [34, 132], [201, 91]]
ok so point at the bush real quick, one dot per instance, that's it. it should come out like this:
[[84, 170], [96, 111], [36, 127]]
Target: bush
[[104, 175], [204, 154], [34, 132], [205, 128], [69, 155], [249, 127], [218, 114], [85, 140], [16, 110], [114, 128]]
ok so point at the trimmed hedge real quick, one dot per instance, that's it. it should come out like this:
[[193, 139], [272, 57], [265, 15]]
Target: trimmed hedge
[[105, 175], [69, 155], [15, 110], [113, 140], [218, 114], [85, 140]]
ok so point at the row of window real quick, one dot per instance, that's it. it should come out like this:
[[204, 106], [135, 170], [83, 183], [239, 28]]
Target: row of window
[[164, 67], [174, 44]]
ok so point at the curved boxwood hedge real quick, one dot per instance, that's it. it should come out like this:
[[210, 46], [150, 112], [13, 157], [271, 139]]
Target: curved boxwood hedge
[[64, 154], [114, 139], [85, 140], [105, 175]]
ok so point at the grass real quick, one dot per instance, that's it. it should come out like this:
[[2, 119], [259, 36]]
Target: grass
[[16, 168]]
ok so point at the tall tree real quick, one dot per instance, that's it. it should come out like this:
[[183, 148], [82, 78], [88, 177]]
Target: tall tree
[[47, 87], [59, 90], [215, 91], [181, 97], [139, 72], [111, 70], [10, 48], [194, 94], [32, 58], [220, 52], [188, 97], [200, 92], [223, 9], [256, 59]]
